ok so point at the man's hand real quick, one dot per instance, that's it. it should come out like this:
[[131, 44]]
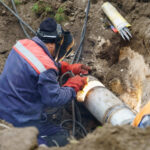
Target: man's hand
[[75, 68], [76, 82]]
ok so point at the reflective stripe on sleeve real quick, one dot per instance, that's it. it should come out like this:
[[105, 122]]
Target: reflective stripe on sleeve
[[26, 54]]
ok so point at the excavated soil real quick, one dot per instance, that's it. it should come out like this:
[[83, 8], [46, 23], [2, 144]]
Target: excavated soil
[[112, 138], [122, 66]]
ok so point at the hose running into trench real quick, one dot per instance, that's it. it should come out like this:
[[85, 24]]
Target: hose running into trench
[[76, 59]]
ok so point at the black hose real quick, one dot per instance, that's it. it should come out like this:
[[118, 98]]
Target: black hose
[[18, 17], [78, 123], [76, 60], [70, 74], [79, 49], [25, 32]]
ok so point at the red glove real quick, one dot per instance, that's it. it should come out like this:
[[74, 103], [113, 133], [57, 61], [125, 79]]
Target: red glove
[[75, 68], [76, 82]]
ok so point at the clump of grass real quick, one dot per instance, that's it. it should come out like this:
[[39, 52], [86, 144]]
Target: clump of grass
[[60, 15], [48, 9], [41, 7], [17, 2], [35, 8]]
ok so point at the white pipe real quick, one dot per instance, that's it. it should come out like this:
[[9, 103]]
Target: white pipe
[[104, 105], [116, 18]]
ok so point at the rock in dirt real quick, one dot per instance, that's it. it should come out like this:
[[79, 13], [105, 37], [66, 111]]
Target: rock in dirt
[[18, 139]]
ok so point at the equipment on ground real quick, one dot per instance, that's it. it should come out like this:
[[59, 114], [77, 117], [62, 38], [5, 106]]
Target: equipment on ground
[[117, 20], [142, 119]]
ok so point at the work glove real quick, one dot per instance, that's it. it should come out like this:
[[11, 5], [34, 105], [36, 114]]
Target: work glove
[[76, 82], [75, 68]]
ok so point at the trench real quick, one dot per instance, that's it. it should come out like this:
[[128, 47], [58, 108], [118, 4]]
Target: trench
[[114, 62]]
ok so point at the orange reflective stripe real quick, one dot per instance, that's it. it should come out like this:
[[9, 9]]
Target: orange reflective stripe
[[28, 60], [144, 111], [34, 55]]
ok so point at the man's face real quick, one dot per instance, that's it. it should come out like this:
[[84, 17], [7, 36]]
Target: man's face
[[51, 47]]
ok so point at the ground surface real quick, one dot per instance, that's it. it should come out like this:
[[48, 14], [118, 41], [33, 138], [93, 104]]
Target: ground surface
[[121, 66]]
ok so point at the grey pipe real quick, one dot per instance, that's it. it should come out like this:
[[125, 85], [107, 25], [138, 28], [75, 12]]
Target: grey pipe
[[104, 105]]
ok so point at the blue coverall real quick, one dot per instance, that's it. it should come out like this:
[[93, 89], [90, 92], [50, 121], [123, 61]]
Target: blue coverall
[[24, 93]]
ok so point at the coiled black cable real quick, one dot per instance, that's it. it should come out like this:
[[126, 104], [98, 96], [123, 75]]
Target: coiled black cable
[[78, 123]]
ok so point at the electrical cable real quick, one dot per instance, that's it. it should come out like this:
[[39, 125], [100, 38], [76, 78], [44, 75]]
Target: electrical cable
[[76, 60], [78, 123], [17, 17], [79, 50], [15, 9], [70, 74]]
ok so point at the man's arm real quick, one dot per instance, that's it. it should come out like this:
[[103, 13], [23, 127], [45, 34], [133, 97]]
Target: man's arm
[[51, 93]]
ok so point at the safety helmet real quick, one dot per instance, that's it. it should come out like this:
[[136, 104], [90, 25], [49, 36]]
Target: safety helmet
[[51, 32]]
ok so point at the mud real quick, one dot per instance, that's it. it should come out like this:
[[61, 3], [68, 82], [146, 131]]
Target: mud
[[121, 66], [112, 138]]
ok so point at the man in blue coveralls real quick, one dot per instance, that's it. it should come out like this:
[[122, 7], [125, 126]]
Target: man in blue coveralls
[[29, 81]]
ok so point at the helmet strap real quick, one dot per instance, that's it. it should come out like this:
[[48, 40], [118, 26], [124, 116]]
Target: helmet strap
[[58, 49]]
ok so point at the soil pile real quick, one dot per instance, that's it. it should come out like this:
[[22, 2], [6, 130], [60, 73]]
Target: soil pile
[[107, 137], [112, 138], [18, 139]]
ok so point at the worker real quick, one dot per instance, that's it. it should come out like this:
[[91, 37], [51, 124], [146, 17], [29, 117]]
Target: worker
[[142, 119], [29, 81]]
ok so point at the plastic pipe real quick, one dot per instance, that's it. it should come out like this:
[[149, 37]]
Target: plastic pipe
[[116, 18], [104, 105]]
